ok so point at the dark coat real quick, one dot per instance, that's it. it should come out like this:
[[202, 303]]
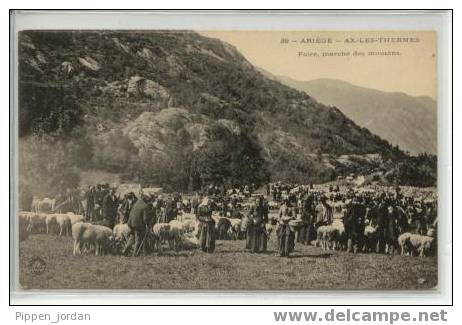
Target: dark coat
[[110, 205], [354, 221], [127, 207], [308, 211], [259, 213], [140, 215], [170, 212]]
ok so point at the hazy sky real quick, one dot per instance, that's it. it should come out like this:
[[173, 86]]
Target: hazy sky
[[413, 71]]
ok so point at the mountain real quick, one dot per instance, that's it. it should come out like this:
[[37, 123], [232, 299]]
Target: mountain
[[407, 121], [175, 109]]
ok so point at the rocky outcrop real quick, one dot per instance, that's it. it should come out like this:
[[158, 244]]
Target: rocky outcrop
[[90, 63], [138, 86]]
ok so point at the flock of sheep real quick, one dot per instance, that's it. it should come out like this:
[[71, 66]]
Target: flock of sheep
[[99, 239], [182, 233], [332, 237]]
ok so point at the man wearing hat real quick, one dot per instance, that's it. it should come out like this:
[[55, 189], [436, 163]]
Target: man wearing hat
[[127, 205], [110, 204], [305, 233], [139, 222], [355, 224], [419, 217]]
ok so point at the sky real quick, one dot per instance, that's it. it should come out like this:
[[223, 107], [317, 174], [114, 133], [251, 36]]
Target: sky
[[410, 66]]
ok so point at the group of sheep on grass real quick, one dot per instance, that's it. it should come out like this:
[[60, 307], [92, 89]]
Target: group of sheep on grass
[[331, 237], [181, 233]]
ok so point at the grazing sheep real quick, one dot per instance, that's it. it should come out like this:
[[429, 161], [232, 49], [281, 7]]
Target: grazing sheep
[[74, 218], [431, 232], [234, 232], [37, 223], [64, 224], [403, 243], [23, 224], [331, 236], [223, 226], [77, 234], [413, 244], [190, 225], [370, 238], [121, 232], [272, 205], [270, 228], [189, 241], [244, 223], [103, 239], [89, 236], [44, 205], [161, 232], [59, 224], [51, 223], [175, 234]]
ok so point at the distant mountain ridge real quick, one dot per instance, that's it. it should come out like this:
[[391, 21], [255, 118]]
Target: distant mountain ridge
[[407, 121]]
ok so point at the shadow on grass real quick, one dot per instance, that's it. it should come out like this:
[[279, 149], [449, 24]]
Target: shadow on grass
[[245, 251], [323, 255]]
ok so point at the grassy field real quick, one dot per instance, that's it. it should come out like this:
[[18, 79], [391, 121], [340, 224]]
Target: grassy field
[[230, 267]]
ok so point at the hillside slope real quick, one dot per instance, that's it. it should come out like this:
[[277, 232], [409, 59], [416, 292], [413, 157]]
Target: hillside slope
[[178, 108], [407, 121]]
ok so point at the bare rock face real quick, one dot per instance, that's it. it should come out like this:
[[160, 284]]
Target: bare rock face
[[124, 47], [90, 63], [141, 87], [67, 67], [146, 54], [231, 126], [157, 132]]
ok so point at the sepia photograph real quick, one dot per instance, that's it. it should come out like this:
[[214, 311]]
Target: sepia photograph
[[227, 160]]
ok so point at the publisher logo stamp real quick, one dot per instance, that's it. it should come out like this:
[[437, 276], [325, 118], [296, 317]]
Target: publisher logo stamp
[[37, 266]]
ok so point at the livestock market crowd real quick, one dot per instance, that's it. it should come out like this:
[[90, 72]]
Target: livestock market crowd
[[101, 221]]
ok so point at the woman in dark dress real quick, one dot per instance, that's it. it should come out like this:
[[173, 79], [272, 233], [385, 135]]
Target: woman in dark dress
[[206, 226]]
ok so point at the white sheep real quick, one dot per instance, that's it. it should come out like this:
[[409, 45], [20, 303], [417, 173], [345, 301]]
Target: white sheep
[[37, 223], [161, 232], [370, 235], [51, 223], [74, 218], [121, 232], [270, 228], [64, 224], [234, 232], [189, 241], [176, 232], [78, 230], [403, 242], [329, 236], [87, 235], [61, 223], [415, 244]]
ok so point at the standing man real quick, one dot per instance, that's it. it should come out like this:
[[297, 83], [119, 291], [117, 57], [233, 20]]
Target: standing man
[[306, 231], [110, 204], [127, 205], [139, 222], [170, 211], [89, 197], [355, 224]]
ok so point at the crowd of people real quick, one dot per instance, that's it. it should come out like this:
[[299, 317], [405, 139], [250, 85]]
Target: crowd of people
[[295, 212]]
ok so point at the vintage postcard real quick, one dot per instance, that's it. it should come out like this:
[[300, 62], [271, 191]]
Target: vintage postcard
[[227, 160]]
